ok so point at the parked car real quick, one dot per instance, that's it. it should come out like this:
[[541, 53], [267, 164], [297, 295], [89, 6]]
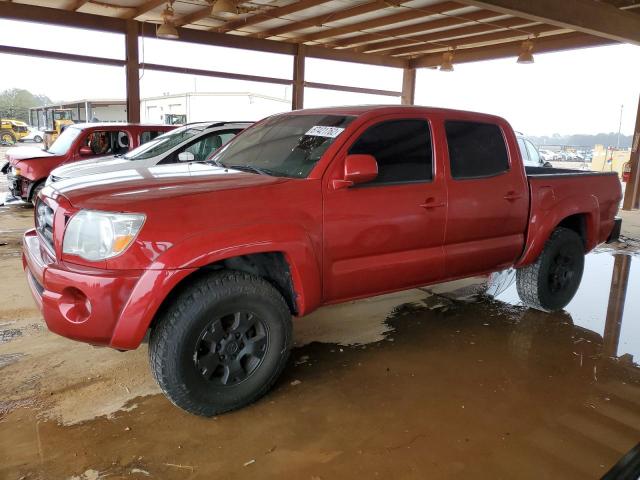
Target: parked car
[[28, 167], [303, 209], [193, 142], [548, 155], [34, 135], [530, 155]]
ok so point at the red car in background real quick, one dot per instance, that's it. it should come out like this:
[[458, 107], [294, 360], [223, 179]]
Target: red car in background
[[29, 167]]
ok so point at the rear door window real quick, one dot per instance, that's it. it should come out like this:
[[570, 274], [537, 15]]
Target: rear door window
[[476, 149], [104, 142], [402, 149]]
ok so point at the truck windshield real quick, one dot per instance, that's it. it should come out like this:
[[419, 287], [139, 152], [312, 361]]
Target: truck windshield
[[283, 145], [64, 141], [163, 143]]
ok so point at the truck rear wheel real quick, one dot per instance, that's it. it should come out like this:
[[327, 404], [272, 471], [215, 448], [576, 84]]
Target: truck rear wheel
[[551, 282], [222, 343]]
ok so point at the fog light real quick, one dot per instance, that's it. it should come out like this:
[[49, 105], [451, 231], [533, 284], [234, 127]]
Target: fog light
[[74, 305]]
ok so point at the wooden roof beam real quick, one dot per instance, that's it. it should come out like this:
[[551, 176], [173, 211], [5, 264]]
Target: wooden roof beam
[[144, 8], [586, 16], [565, 41], [405, 15], [268, 15], [465, 42], [319, 20], [379, 37], [58, 16], [194, 16], [415, 43]]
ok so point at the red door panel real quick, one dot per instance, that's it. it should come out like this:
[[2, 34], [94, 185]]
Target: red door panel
[[382, 237]]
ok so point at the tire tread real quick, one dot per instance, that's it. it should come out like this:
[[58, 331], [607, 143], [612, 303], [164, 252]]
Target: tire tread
[[161, 347]]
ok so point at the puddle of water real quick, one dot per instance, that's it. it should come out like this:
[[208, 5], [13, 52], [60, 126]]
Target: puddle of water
[[607, 302]]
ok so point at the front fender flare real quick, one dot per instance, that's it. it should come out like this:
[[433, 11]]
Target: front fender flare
[[196, 252]]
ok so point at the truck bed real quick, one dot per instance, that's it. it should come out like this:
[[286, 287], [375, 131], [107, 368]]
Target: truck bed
[[589, 200], [562, 172]]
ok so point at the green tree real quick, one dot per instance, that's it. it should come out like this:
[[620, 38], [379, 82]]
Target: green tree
[[16, 102]]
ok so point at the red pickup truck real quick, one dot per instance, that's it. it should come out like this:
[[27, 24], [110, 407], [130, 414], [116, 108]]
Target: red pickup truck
[[303, 209], [29, 167]]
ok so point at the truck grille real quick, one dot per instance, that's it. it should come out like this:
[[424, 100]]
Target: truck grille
[[44, 222]]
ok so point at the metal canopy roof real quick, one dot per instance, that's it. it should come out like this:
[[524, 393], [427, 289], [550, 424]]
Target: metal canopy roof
[[411, 33]]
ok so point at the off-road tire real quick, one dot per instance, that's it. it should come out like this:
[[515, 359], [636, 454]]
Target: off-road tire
[[175, 337], [535, 282], [6, 136]]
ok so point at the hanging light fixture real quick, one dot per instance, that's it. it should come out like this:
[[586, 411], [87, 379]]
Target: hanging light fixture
[[526, 52], [167, 29], [223, 7], [447, 62]]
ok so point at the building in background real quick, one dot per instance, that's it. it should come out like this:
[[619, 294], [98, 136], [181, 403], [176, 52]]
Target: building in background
[[610, 159], [196, 107], [81, 111]]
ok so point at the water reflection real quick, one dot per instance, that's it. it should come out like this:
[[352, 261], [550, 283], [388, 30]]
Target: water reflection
[[607, 307]]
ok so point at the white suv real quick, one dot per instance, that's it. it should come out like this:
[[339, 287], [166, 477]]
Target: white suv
[[192, 143]]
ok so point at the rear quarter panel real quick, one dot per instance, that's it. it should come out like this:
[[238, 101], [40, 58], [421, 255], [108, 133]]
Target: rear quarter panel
[[555, 197]]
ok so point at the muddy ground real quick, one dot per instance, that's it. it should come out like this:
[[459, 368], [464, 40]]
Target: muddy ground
[[438, 383]]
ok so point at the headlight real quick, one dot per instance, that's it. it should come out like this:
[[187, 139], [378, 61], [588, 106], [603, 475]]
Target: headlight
[[16, 171], [95, 235]]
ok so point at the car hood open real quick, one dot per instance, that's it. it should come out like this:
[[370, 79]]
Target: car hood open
[[16, 154]]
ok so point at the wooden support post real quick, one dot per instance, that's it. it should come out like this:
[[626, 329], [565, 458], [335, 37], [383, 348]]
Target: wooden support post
[[632, 190], [297, 95], [132, 72], [615, 308], [408, 86]]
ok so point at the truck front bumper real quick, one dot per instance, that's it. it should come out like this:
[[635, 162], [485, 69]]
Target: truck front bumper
[[76, 302], [102, 307], [15, 185]]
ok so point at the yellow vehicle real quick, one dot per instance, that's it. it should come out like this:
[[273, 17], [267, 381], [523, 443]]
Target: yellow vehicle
[[12, 130], [57, 120]]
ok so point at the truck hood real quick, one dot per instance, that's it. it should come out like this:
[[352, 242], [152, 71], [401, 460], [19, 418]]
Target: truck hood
[[92, 166], [16, 154], [124, 190]]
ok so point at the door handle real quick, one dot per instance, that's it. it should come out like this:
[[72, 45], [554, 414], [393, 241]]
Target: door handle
[[512, 196], [431, 203]]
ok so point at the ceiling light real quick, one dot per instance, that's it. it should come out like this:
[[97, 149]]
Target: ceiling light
[[223, 7], [526, 55], [167, 29], [447, 62]]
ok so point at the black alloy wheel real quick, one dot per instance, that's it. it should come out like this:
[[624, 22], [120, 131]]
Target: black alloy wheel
[[231, 348]]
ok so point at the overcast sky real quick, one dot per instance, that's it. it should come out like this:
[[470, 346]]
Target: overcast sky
[[578, 91]]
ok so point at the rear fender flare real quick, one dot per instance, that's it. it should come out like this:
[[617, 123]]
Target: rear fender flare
[[545, 219]]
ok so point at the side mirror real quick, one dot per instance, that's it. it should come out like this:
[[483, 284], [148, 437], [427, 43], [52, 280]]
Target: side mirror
[[186, 157], [85, 151], [358, 168]]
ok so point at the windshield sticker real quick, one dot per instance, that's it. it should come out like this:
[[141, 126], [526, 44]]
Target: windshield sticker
[[322, 131]]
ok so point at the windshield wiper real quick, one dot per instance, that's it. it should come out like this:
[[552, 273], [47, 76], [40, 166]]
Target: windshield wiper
[[248, 168]]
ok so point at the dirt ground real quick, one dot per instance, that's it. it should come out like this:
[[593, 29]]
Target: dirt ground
[[437, 383]]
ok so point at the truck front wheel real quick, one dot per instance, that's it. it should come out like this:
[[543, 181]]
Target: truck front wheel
[[551, 282], [222, 343]]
